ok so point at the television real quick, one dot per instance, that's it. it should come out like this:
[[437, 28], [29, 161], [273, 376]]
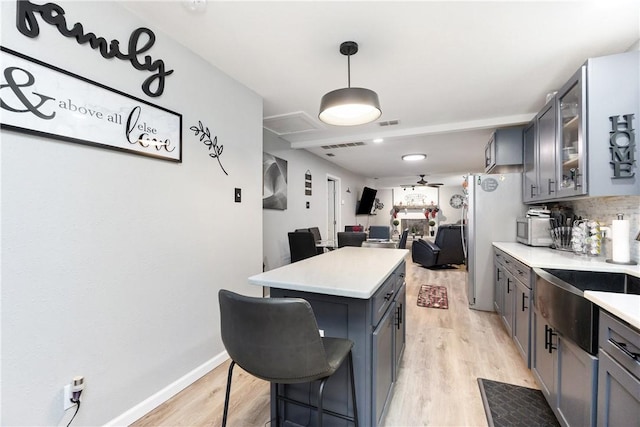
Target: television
[[366, 201]]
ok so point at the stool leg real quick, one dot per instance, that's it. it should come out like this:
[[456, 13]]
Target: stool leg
[[320, 397], [277, 405], [353, 391], [228, 393]]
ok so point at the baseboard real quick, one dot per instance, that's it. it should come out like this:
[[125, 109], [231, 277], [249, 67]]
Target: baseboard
[[155, 400]]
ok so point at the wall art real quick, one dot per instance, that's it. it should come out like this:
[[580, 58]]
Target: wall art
[[140, 41], [40, 99], [622, 145], [274, 175], [212, 144], [307, 183]]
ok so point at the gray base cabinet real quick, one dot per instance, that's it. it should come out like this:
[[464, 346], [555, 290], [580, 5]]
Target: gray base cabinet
[[618, 373], [567, 375], [377, 328], [522, 320], [512, 296]]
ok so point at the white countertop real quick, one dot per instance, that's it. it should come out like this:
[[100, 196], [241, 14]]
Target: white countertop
[[349, 272], [553, 258], [623, 306]]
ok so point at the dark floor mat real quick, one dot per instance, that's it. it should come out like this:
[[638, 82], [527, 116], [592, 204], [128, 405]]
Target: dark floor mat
[[509, 405]]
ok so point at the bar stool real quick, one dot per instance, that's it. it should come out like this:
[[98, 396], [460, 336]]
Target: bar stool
[[277, 340]]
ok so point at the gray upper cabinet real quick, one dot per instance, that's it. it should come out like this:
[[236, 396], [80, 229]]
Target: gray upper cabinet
[[529, 163], [504, 150], [583, 141], [546, 124], [539, 155], [571, 154]]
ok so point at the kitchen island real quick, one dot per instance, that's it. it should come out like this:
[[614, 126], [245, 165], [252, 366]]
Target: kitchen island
[[356, 293]]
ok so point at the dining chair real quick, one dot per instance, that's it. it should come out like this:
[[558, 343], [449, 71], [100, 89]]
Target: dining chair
[[302, 245], [403, 239], [379, 232], [316, 235], [277, 340], [351, 238]]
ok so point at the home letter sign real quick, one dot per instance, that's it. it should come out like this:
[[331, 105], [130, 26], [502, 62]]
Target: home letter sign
[[622, 146]]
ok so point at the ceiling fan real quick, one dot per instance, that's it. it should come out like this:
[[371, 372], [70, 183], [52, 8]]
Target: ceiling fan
[[422, 182]]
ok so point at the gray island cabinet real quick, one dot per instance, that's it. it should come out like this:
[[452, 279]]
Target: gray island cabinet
[[356, 293]]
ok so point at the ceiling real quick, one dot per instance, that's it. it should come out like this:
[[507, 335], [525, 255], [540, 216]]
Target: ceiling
[[449, 72]]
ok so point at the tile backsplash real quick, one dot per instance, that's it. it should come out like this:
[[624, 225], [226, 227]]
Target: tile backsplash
[[606, 209]]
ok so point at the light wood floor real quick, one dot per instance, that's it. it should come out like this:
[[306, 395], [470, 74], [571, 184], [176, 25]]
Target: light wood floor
[[446, 351]]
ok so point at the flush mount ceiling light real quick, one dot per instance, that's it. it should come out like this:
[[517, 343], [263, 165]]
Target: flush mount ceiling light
[[414, 157], [349, 106]]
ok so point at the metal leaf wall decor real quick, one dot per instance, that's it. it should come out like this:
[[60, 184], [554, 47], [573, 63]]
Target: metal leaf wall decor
[[212, 144]]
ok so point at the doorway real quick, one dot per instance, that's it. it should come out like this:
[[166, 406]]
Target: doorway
[[333, 206]]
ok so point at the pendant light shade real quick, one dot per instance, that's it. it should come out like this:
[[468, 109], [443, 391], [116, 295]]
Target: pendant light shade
[[350, 105]]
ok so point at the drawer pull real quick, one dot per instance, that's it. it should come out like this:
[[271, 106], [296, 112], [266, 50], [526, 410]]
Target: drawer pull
[[388, 296], [623, 347]]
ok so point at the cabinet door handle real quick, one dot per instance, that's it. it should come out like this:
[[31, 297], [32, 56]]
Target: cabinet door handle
[[523, 298], [623, 347], [533, 190], [508, 283], [399, 316], [551, 189], [546, 337], [551, 335], [498, 274], [577, 179]]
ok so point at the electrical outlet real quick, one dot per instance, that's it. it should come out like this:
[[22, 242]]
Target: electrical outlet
[[77, 385], [321, 332]]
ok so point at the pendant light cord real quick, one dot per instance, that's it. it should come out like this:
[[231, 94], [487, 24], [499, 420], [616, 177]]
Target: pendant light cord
[[349, 71]]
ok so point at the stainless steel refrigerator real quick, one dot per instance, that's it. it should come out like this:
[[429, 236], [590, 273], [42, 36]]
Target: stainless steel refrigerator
[[493, 202]]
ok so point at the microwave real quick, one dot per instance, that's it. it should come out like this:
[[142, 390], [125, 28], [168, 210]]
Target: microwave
[[533, 231]]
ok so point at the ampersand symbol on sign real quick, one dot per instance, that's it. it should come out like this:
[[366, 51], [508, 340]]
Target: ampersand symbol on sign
[[16, 88]]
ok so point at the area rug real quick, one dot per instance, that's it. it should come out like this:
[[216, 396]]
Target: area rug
[[509, 405], [433, 296]]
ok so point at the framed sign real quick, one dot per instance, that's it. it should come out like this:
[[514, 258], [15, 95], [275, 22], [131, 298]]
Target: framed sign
[[40, 99]]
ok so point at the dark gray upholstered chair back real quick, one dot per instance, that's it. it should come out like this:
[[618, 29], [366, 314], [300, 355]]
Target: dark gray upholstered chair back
[[302, 245], [316, 233], [403, 239], [379, 232], [351, 238], [275, 339]]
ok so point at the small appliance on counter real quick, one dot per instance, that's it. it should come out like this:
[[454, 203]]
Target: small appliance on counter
[[533, 231]]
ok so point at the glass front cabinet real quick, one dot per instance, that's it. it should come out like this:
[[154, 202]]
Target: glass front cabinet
[[570, 179], [584, 140]]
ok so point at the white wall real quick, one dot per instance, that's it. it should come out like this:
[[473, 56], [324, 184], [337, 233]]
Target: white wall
[[277, 223], [448, 214], [111, 262]]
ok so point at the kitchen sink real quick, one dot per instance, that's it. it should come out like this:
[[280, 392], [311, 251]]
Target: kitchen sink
[[559, 299]]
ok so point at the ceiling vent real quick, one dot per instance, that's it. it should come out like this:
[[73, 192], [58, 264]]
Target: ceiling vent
[[389, 123], [286, 124], [345, 145]]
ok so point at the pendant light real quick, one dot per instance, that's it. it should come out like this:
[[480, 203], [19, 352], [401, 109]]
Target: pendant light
[[350, 105]]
